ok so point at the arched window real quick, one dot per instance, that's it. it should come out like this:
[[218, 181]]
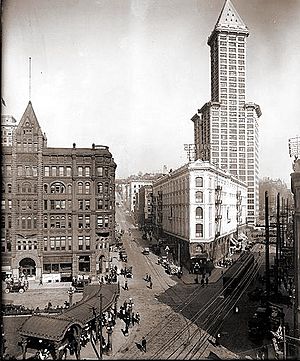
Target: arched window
[[199, 230], [80, 187], [29, 222], [23, 222], [9, 188], [69, 188], [199, 182], [100, 204], [106, 188], [58, 187], [45, 188], [87, 187], [199, 196], [34, 222], [199, 212], [100, 187]]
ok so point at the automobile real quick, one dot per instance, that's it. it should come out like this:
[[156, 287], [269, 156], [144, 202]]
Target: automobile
[[162, 260], [146, 251], [172, 269], [79, 284], [127, 272], [16, 286], [123, 255]]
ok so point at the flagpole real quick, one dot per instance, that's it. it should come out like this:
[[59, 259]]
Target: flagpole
[[29, 78]]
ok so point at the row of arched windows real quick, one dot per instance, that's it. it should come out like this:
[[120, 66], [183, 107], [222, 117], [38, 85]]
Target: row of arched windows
[[199, 182]]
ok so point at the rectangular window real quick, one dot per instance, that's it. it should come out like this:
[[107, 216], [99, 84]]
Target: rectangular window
[[53, 171], [87, 242], [61, 171], [62, 243], [47, 171], [80, 243], [69, 173]]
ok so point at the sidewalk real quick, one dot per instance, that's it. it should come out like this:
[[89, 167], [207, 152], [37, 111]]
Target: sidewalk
[[216, 273]]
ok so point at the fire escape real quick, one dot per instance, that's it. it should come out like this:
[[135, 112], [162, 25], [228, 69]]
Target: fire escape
[[238, 212], [218, 217]]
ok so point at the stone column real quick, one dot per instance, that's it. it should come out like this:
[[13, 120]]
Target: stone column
[[296, 190]]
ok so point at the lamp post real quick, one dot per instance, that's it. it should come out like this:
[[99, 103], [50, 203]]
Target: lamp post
[[109, 328], [130, 307], [70, 293]]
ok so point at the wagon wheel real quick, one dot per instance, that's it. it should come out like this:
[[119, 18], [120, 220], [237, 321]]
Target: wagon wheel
[[21, 290], [6, 290]]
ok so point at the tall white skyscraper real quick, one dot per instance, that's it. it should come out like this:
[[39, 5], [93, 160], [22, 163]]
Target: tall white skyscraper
[[226, 128]]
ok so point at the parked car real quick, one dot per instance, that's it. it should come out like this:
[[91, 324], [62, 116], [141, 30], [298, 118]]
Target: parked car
[[16, 286], [162, 260], [146, 251], [172, 269], [79, 284]]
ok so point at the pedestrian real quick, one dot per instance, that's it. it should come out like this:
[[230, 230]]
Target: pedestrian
[[236, 309], [133, 318], [206, 281], [202, 282], [144, 344], [150, 284], [126, 285], [147, 277], [137, 318]]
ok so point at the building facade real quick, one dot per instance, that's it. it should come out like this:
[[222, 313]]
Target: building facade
[[199, 209], [226, 128], [8, 125], [145, 207], [134, 187], [58, 206]]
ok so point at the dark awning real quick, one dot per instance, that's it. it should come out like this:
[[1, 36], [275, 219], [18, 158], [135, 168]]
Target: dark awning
[[54, 327]]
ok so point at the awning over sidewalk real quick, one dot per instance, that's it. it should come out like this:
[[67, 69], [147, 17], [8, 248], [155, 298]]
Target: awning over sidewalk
[[54, 327]]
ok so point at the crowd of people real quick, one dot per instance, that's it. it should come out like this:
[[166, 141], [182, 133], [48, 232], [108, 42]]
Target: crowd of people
[[127, 314]]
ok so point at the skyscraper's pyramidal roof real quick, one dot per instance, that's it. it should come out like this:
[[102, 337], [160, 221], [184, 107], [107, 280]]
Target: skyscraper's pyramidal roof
[[229, 18]]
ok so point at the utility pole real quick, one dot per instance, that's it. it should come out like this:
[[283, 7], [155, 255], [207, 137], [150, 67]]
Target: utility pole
[[277, 244], [267, 245], [294, 151], [100, 326], [284, 343]]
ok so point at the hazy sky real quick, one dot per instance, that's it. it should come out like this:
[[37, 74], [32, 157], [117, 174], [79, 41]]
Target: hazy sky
[[131, 74]]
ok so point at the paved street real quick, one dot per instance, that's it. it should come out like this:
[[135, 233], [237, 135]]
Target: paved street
[[178, 317], [167, 331]]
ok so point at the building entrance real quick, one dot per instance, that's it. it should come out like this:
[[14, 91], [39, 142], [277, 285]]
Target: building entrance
[[28, 267]]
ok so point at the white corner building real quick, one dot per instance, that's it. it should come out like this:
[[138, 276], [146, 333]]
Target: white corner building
[[199, 210]]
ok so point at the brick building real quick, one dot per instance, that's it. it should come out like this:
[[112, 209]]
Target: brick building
[[58, 206]]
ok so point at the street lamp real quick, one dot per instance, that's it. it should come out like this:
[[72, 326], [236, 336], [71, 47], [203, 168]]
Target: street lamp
[[130, 307], [70, 293], [109, 328]]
